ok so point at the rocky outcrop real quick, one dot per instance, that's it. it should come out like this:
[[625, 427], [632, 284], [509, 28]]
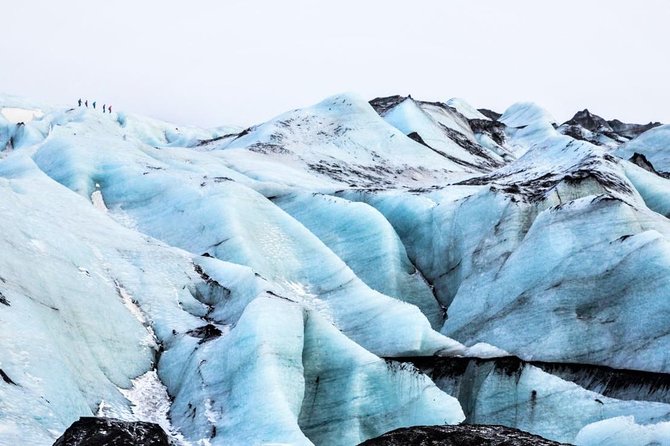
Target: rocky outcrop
[[587, 126], [91, 431], [589, 121], [461, 435], [489, 113]]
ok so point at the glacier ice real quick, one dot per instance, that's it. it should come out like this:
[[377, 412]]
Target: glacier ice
[[623, 431], [205, 278], [510, 392], [368, 244], [653, 144]]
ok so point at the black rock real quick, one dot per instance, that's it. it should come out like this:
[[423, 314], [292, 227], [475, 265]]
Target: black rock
[[631, 130], [611, 128], [461, 435], [489, 113], [6, 378], [91, 431], [416, 137], [3, 300], [642, 161], [205, 333], [384, 104], [590, 121]]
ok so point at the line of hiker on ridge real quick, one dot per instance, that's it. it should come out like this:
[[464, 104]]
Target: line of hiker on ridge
[[105, 107]]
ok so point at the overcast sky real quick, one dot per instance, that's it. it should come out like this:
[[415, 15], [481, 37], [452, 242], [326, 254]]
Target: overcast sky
[[240, 62]]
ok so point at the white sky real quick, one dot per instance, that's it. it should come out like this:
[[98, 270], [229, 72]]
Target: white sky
[[241, 62]]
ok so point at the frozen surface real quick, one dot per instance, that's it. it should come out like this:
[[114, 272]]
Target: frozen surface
[[205, 278], [364, 239], [465, 109], [15, 115], [525, 113], [623, 431], [341, 141], [654, 144], [102, 317]]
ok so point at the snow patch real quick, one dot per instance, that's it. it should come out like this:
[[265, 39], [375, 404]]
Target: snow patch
[[135, 310], [484, 350], [16, 115], [150, 402], [98, 201], [623, 431]]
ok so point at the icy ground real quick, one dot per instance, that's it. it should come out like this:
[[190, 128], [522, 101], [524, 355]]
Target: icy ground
[[270, 285]]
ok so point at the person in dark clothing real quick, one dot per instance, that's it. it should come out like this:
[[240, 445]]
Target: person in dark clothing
[[93, 104], [86, 103], [80, 102], [110, 109], [104, 107]]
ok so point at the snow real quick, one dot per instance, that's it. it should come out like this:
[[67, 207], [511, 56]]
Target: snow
[[466, 109], [522, 114], [16, 115], [484, 350], [623, 431], [150, 402]]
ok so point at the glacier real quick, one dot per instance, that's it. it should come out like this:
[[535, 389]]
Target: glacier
[[335, 273]]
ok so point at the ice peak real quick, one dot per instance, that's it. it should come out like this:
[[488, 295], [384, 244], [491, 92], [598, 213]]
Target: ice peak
[[522, 114]]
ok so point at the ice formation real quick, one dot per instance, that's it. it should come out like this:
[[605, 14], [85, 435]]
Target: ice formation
[[305, 280]]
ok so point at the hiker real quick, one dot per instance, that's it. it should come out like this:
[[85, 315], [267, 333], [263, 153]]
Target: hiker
[[93, 104], [103, 108], [80, 102], [110, 109], [86, 103]]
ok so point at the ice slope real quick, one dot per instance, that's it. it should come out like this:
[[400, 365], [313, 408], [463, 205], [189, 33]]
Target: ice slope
[[159, 133], [507, 392], [367, 243], [465, 109], [654, 144], [624, 431], [235, 223], [522, 114], [69, 341], [652, 188], [444, 131], [279, 269], [625, 254], [604, 266], [343, 142], [73, 270]]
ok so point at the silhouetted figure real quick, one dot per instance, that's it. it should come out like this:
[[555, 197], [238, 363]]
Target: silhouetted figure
[[93, 104], [104, 107], [110, 109], [86, 103], [80, 102]]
